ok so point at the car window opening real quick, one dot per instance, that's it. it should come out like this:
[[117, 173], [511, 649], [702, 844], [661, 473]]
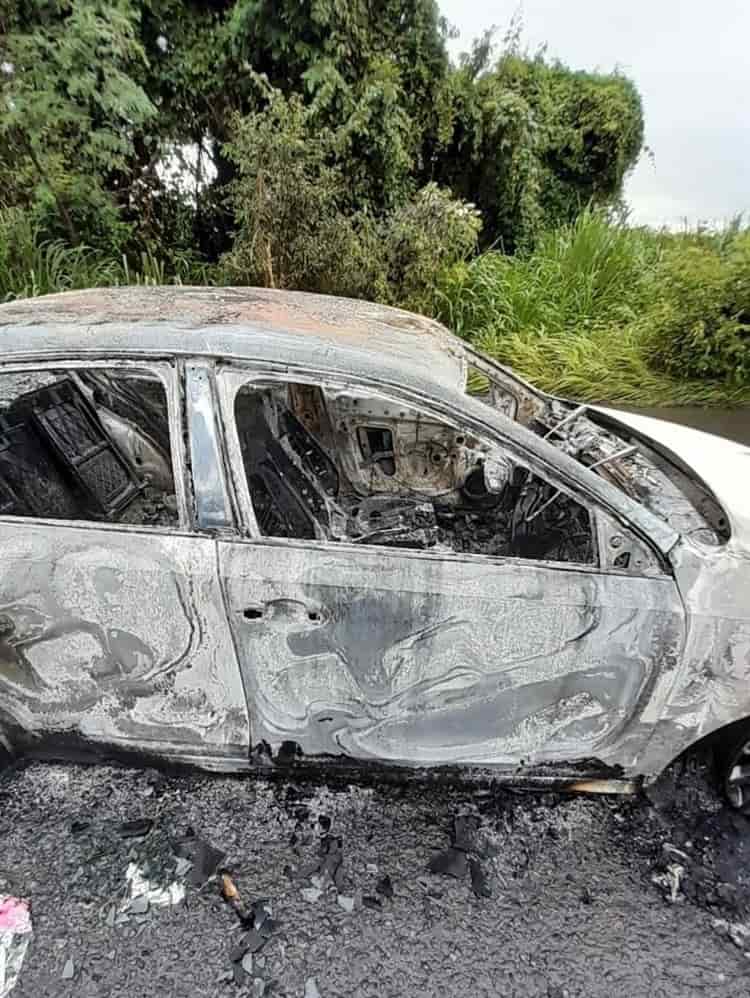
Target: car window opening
[[645, 475], [343, 467], [86, 445]]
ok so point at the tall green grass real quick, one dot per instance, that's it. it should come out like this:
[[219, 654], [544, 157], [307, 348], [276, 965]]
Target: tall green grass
[[573, 316], [31, 265]]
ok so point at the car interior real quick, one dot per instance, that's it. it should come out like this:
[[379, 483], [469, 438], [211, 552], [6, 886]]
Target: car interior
[[346, 466], [86, 445]]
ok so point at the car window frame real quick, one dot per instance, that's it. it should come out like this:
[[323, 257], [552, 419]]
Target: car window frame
[[231, 376], [200, 396], [167, 372]]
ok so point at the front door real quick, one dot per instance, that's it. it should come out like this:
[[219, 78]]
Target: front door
[[414, 593]]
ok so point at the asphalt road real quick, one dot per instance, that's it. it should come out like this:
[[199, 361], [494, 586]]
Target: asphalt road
[[573, 909]]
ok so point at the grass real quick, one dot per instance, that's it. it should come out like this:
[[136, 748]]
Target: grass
[[31, 266], [576, 317]]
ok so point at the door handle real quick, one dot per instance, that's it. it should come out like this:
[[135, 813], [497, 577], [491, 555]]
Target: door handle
[[285, 611]]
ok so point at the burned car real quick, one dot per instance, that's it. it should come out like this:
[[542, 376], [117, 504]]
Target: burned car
[[242, 527]]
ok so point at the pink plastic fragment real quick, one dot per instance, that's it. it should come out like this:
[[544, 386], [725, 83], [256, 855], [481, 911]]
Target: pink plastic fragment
[[15, 915], [15, 935]]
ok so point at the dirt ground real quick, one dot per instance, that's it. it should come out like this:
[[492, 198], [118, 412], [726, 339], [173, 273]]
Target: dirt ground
[[551, 896]]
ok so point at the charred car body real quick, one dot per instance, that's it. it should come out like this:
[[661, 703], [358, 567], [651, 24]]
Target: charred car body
[[238, 526]]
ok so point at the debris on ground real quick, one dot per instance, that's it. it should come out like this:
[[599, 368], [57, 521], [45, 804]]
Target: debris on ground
[[255, 916], [69, 970], [311, 894], [145, 893], [450, 862], [203, 858], [231, 894], [737, 932], [703, 851], [326, 868], [15, 935], [311, 988], [479, 881], [137, 829], [559, 867], [259, 924], [247, 963], [671, 876], [331, 867], [465, 855], [385, 887]]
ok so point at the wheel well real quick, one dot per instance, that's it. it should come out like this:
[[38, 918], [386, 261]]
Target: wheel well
[[706, 746]]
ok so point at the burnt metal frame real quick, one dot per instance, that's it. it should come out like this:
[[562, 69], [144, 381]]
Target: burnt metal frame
[[605, 523]]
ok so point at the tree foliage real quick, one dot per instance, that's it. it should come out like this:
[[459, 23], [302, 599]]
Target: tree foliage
[[70, 109], [96, 98], [285, 177], [290, 169], [533, 143]]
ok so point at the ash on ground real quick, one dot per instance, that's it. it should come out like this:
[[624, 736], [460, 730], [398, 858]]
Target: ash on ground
[[372, 890]]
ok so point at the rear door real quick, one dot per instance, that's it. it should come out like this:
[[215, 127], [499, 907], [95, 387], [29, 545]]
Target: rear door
[[113, 635], [396, 598]]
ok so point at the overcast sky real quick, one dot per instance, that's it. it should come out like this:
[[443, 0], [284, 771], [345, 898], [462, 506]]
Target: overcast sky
[[691, 62]]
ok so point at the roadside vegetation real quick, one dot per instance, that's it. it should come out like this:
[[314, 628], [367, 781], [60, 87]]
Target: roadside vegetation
[[602, 312], [334, 147]]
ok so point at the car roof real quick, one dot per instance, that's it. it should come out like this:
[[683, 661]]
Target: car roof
[[341, 334]]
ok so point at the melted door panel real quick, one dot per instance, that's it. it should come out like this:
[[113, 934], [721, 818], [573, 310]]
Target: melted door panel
[[117, 639], [390, 655]]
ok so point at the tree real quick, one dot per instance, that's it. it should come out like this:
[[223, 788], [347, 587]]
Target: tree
[[532, 143], [289, 202], [70, 110], [297, 228], [96, 97]]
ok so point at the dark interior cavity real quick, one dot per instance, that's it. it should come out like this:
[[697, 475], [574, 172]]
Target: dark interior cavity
[[363, 471]]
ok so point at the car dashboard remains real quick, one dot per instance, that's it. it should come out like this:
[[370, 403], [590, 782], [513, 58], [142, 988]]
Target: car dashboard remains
[[626, 460]]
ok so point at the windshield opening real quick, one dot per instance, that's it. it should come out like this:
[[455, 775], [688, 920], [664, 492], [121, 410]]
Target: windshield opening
[[628, 461]]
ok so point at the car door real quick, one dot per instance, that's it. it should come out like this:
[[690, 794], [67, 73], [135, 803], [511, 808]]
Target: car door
[[405, 638], [113, 635]]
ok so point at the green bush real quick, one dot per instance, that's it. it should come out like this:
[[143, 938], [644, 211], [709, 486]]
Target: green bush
[[297, 229], [701, 329], [421, 239], [596, 312]]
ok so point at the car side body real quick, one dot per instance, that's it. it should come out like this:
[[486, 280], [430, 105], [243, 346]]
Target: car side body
[[266, 614]]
